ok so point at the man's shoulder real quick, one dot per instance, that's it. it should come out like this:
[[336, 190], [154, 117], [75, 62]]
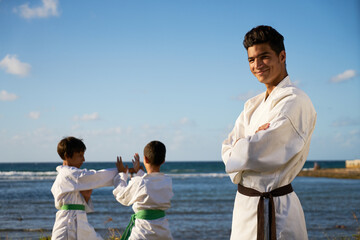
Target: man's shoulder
[[295, 104], [289, 93], [288, 88], [254, 101]]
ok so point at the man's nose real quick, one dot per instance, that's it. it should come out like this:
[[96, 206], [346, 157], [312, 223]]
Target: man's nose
[[258, 63]]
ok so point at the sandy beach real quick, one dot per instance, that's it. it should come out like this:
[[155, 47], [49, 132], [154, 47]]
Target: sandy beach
[[343, 173]]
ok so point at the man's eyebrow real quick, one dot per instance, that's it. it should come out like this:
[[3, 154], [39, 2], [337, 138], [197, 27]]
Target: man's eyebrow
[[259, 55]]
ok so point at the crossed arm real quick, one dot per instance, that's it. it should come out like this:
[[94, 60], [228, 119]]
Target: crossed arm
[[262, 127]]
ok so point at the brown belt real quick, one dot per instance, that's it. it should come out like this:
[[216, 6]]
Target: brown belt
[[281, 191]]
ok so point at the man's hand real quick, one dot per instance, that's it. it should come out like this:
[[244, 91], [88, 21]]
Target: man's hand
[[86, 194], [120, 166], [136, 162], [263, 127]]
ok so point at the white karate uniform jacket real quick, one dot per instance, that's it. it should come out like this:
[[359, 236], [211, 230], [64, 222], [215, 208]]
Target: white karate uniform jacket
[[270, 159], [73, 224], [146, 191]]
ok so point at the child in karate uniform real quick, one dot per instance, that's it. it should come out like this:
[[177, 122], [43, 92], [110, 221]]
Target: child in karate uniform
[[150, 195], [72, 190]]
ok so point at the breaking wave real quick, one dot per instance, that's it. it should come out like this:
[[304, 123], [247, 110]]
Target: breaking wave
[[27, 175], [51, 175]]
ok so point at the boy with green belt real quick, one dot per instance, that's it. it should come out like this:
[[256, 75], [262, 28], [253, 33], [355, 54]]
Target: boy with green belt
[[72, 190], [150, 195]]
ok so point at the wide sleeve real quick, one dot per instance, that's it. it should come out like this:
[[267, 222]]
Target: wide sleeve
[[236, 133], [228, 144], [91, 179], [266, 150], [124, 193]]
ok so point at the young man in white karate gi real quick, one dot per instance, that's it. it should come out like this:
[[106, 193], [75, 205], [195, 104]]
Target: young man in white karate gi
[[150, 195], [268, 146], [72, 191]]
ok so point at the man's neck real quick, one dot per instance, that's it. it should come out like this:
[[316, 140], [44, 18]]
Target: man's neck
[[272, 86]]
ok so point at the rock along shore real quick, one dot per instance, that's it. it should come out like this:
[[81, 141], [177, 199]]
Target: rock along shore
[[345, 173]]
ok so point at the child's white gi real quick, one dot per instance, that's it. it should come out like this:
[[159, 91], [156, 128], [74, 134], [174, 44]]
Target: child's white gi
[[73, 224], [144, 192]]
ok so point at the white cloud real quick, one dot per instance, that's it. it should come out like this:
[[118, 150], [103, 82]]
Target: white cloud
[[344, 122], [348, 74], [12, 65], [247, 95], [34, 115], [88, 117], [47, 9], [108, 132], [177, 140], [185, 122], [350, 139], [5, 96], [37, 137]]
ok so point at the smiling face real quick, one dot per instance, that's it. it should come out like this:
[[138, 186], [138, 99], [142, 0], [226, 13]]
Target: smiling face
[[267, 66], [76, 160]]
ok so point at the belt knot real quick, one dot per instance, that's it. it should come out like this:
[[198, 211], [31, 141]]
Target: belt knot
[[281, 191], [266, 195]]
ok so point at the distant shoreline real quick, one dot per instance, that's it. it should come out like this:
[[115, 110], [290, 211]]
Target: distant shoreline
[[343, 173]]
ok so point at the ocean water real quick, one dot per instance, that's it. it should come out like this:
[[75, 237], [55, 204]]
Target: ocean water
[[201, 207]]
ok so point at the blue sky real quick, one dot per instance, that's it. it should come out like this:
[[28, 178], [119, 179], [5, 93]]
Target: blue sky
[[122, 73]]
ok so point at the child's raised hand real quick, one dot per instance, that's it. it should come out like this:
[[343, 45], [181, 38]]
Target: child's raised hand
[[136, 162], [120, 166]]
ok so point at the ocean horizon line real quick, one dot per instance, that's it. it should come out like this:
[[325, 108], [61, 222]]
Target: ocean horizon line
[[171, 161]]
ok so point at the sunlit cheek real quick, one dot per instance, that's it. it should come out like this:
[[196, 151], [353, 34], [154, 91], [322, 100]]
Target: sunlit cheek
[[251, 65]]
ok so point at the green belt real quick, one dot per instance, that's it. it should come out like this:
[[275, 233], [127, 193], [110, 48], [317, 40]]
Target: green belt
[[73, 207], [149, 214]]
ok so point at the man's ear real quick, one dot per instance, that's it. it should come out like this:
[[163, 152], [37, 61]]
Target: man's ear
[[282, 56], [146, 159]]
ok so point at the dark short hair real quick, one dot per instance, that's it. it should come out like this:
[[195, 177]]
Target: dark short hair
[[264, 34], [155, 152], [70, 145]]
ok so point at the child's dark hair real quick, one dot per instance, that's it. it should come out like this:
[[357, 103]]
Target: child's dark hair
[[70, 145], [264, 34], [155, 152]]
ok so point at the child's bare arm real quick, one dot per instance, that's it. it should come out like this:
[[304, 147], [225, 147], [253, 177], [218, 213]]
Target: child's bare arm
[[86, 194]]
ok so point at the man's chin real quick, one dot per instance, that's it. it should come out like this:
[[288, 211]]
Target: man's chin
[[261, 79]]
